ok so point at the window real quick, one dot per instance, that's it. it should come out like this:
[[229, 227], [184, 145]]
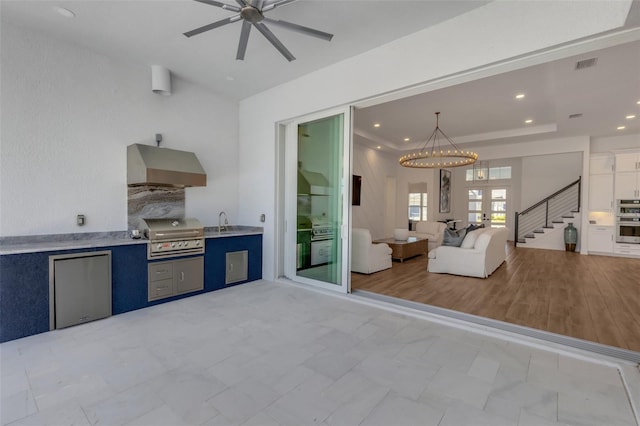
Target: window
[[488, 173], [417, 206]]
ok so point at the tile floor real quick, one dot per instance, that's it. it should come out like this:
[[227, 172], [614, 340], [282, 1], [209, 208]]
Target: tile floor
[[276, 354]]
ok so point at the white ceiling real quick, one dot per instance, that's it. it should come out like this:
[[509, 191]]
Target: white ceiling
[[151, 32], [486, 112], [482, 111]]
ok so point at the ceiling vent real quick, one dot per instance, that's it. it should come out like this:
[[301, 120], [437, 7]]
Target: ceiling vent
[[575, 115], [586, 63]]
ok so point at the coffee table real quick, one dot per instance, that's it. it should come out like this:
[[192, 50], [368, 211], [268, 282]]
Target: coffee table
[[402, 249]]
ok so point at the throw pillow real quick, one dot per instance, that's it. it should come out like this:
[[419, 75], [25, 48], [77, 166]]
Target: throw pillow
[[473, 227], [453, 238]]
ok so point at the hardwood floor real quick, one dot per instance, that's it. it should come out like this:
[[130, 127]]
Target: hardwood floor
[[595, 298]]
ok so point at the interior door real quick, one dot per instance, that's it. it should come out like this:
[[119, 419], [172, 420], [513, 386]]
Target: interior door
[[317, 199], [488, 206]]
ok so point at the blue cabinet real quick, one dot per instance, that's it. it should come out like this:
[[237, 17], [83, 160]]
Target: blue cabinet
[[216, 250], [24, 281], [129, 277], [24, 295]]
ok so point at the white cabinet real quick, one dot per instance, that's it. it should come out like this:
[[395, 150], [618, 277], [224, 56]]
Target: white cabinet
[[627, 249], [601, 239], [601, 182], [627, 180], [601, 192], [628, 162], [627, 185], [601, 164]]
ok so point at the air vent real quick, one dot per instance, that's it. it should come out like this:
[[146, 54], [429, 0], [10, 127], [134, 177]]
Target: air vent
[[586, 63], [575, 115]]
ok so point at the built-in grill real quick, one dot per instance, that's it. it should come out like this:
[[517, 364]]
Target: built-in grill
[[174, 237]]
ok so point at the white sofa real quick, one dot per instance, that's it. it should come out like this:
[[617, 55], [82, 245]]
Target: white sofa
[[434, 231], [477, 258], [367, 257]]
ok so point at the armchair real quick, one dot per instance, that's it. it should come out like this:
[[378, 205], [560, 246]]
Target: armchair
[[367, 257], [434, 231]]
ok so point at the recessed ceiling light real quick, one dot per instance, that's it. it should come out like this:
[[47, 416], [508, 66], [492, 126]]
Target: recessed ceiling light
[[638, 102], [407, 139], [230, 78], [529, 121], [630, 116], [64, 12], [376, 124], [621, 127], [378, 147], [520, 96]]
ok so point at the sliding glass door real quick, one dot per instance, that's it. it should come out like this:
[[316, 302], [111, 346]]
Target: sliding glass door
[[317, 188]]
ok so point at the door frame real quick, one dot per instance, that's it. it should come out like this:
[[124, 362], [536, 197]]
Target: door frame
[[286, 165]]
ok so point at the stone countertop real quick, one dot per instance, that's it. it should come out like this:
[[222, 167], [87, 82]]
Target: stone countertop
[[58, 242]]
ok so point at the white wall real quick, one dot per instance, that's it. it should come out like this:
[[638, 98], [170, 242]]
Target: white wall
[[492, 33], [68, 115], [374, 167], [542, 175]]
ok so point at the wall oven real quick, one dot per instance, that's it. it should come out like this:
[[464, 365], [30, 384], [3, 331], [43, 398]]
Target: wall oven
[[628, 221]]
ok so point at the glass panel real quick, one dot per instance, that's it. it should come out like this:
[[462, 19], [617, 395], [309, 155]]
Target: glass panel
[[424, 206], [469, 175], [498, 206], [498, 218], [475, 205], [500, 173], [499, 194], [475, 194], [475, 217], [319, 207]]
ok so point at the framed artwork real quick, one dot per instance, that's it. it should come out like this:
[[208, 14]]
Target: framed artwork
[[445, 191]]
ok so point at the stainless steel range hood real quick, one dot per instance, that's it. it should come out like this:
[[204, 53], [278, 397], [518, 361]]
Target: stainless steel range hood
[[150, 165], [312, 183]]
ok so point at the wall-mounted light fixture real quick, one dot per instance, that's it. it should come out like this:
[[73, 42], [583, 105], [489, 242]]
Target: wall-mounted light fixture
[[160, 80]]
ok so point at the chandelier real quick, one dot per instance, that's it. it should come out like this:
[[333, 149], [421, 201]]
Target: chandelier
[[436, 153]]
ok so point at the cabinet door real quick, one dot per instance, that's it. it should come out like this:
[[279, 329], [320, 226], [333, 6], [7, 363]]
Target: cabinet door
[[627, 162], [601, 164], [189, 275], [626, 185], [601, 239], [601, 192]]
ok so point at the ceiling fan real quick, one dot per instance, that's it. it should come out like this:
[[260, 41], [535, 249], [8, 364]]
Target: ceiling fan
[[251, 12]]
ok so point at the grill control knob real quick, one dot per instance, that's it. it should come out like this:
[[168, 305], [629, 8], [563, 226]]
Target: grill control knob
[[173, 245], [186, 243], [159, 246], [197, 242]]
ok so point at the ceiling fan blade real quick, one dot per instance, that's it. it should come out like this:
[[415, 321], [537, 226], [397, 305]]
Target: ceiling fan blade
[[212, 26], [244, 38], [274, 41], [268, 5], [301, 29], [220, 4]]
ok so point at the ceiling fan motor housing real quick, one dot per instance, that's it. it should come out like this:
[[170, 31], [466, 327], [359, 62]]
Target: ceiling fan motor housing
[[251, 14]]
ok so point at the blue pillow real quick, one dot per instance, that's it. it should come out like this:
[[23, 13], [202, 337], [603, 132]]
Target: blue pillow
[[453, 238]]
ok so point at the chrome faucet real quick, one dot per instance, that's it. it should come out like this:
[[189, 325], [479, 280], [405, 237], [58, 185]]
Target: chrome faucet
[[226, 222]]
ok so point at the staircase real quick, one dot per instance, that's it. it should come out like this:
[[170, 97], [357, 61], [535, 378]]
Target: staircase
[[542, 225], [552, 237]]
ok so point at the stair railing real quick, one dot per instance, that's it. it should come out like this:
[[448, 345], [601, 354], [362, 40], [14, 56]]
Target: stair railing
[[545, 212]]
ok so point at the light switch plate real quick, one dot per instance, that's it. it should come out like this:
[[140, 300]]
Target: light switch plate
[[81, 220]]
